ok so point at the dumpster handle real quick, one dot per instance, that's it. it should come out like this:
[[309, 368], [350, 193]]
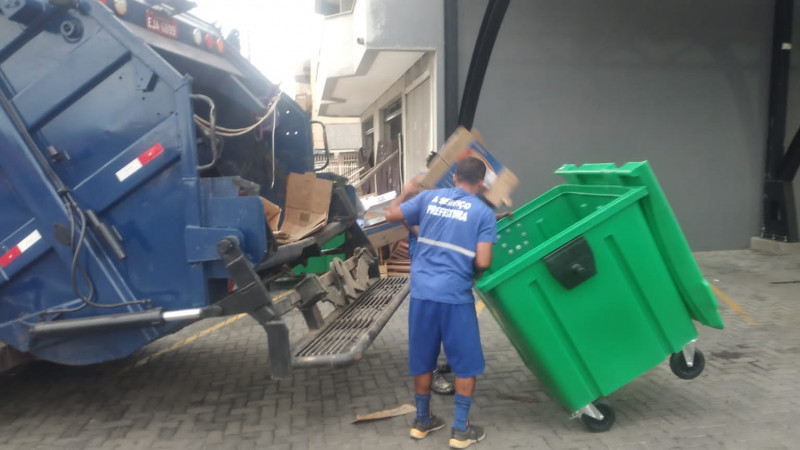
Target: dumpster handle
[[572, 263]]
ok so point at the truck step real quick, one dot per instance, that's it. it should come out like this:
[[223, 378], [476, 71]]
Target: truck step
[[343, 340]]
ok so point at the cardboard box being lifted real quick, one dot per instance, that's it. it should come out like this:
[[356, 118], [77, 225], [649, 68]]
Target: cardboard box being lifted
[[499, 181], [308, 199]]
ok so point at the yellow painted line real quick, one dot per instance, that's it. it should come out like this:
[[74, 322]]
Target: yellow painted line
[[479, 306], [734, 306], [180, 344]]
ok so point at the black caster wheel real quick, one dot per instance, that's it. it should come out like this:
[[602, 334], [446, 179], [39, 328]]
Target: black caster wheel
[[677, 362], [599, 426]]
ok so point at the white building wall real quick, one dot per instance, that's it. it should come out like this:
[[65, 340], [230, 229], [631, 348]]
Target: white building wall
[[412, 25]]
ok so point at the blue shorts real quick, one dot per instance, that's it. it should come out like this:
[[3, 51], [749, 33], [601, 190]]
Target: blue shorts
[[454, 325]]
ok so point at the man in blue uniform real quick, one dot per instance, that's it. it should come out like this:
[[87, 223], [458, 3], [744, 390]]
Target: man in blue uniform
[[456, 234], [439, 385]]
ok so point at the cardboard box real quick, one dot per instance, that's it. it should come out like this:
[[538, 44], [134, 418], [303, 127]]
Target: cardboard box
[[372, 200], [499, 181], [376, 207], [308, 199]]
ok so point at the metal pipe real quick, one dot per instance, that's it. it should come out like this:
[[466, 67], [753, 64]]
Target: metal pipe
[[150, 318], [376, 168], [490, 28], [140, 319], [325, 146]]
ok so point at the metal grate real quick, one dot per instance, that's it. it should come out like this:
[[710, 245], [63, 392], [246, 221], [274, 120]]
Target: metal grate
[[344, 333]]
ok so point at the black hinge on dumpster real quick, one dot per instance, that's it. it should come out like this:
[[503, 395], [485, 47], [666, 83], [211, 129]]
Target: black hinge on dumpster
[[572, 263]]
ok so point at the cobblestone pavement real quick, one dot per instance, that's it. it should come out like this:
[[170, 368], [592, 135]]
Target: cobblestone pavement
[[212, 391]]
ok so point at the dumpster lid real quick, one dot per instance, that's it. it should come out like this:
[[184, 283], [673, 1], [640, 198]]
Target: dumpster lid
[[694, 289]]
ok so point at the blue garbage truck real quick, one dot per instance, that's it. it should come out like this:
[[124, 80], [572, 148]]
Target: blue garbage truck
[[138, 149]]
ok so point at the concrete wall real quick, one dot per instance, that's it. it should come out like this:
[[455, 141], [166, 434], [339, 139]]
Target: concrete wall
[[682, 84]]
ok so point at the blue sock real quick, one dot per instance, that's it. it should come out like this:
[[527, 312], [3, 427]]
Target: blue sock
[[462, 412], [423, 407]]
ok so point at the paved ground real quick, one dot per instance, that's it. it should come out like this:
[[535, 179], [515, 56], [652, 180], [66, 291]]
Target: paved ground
[[212, 392]]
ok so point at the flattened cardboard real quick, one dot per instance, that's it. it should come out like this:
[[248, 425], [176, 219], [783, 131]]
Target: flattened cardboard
[[405, 408], [499, 181], [272, 213], [308, 199]]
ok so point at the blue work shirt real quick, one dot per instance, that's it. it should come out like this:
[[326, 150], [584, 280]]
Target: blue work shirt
[[451, 223]]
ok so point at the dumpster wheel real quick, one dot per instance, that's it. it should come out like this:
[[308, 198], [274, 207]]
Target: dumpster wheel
[[677, 362], [604, 424]]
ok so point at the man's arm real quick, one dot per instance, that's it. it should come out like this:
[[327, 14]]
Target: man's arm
[[483, 256], [483, 251], [410, 189]]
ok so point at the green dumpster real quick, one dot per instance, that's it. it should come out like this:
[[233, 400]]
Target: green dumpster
[[594, 284]]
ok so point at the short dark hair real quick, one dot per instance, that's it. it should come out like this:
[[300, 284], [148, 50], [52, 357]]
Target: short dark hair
[[470, 170]]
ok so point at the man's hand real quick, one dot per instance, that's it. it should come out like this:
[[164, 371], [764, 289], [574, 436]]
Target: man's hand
[[503, 214], [412, 186], [410, 189]]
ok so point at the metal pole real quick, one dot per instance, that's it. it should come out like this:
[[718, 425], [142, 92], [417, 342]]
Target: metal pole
[[779, 215], [400, 161], [779, 84], [450, 66], [373, 171], [791, 160]]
